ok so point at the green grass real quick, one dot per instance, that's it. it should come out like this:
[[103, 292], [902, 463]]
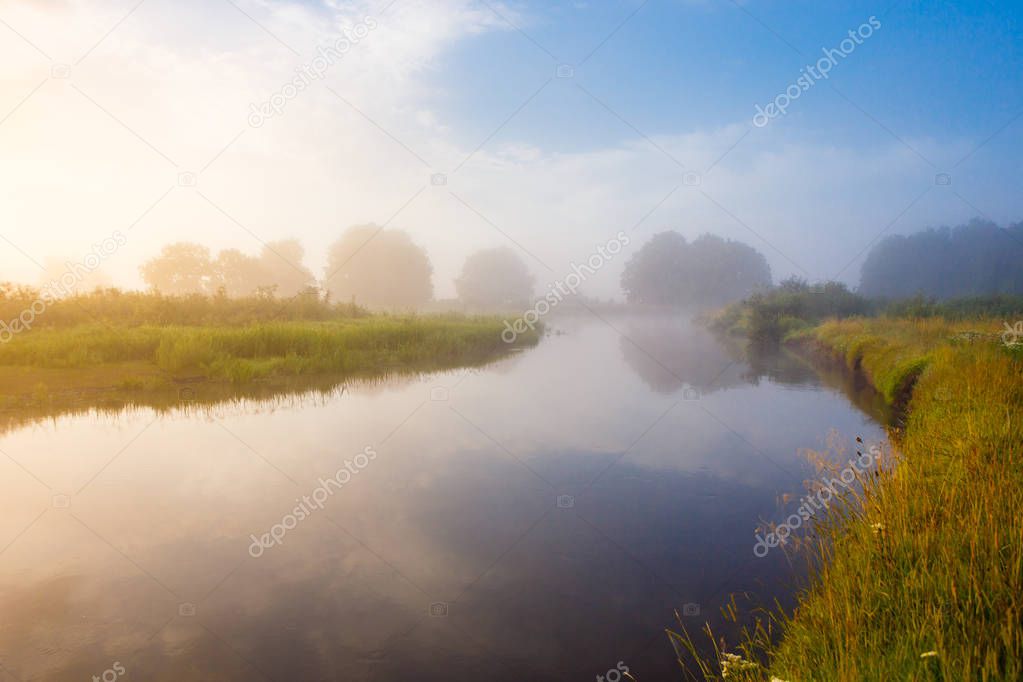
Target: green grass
[[111, 349], [944, 573], [243, 353]]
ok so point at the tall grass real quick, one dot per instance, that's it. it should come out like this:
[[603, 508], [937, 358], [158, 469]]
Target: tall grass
[[252, 351], [112, 349], [921, 578], [131, 308]]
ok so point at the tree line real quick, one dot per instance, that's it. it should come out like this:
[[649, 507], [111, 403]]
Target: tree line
[[369, 265], [384, 268], [976, 259]]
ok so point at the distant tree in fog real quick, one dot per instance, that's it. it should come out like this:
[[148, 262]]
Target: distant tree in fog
[[237, 274], [793, 284], [186, 268], [181, 268], [495, 278], [653, 274], [970, 260], [379, 268], [710, 271], [282, 262]]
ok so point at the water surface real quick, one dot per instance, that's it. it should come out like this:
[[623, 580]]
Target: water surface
[[540, 518]]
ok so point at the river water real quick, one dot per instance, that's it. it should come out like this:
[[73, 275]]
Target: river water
[[540, 518]]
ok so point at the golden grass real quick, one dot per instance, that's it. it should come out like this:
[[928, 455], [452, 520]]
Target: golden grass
[[145, 357], [946, 573], [921, 576]]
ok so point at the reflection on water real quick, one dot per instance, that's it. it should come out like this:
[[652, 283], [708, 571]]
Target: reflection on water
[[20, 410], [537, 519], [666, 354]]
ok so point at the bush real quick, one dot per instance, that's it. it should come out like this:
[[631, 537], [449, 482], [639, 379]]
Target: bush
[[793, 305]]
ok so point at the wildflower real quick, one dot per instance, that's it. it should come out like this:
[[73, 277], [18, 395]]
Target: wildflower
[[777, 679], [928, 654], [878, 528], [732, 663]]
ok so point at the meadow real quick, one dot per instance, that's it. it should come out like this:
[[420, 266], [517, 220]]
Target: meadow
[[919, 575], [134, 344]]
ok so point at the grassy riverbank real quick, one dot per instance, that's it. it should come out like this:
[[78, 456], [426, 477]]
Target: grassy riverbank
[[793, 306], [255, 351], [921, 577], [945, 571], [135, 343], [148, 356]]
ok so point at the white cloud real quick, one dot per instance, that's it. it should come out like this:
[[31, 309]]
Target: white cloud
[[179, 79]]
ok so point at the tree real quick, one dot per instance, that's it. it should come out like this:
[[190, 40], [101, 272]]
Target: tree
[[186, 268], [793, 284], [238, 274], [181, 268], [495, 278], [721, 271], [379, 268], [653, 275], [710, 271], [282, 263], [976, 259]]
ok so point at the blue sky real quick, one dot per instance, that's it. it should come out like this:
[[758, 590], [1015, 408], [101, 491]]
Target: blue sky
[[936, 80], [934, 69], [551, 166]]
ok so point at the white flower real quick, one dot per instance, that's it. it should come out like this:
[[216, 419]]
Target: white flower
[[733, 663], [878, 528], [928, 654]]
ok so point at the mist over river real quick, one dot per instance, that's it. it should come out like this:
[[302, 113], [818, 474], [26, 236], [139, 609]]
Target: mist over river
[[540, 518]]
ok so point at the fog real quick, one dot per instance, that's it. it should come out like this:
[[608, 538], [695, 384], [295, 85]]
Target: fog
[[510, 339], [171, 122]]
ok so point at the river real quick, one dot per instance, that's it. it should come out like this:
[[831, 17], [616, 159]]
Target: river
[[540, 518]]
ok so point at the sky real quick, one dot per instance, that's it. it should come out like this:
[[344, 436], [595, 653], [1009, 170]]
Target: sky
[[544, 126]]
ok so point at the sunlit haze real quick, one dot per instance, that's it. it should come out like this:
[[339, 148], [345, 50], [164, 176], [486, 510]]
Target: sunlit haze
[[103, 105]]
